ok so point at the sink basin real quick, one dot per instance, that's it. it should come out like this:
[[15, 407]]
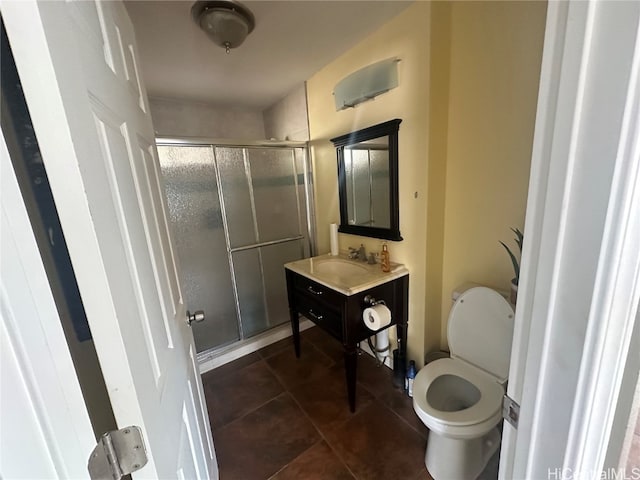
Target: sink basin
[[343, 274], [337, 266]]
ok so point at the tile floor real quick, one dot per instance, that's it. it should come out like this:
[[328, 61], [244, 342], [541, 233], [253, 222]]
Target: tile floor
[[276, 417]]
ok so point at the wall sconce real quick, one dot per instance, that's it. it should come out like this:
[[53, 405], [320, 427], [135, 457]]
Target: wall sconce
[[366, 84]]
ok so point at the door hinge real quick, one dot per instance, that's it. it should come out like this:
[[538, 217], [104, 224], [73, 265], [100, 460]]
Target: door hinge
[[510, 411], [118, 453]]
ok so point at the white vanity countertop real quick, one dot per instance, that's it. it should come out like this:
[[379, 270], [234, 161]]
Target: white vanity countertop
[[345, 275]]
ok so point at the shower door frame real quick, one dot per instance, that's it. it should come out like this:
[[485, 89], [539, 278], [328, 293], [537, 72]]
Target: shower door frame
[[213, 352]]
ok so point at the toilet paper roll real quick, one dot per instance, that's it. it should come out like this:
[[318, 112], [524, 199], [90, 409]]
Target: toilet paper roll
[[376, 317], [333, 235]]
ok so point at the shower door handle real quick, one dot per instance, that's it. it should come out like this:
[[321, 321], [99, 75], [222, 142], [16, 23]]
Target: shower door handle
[[197, 316]]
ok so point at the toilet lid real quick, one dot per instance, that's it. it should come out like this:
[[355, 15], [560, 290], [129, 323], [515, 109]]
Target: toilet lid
[[480, 330]]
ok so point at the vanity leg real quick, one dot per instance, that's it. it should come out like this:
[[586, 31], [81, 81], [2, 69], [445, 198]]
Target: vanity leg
[[401, 331], [350, 366], [295, 328], [402, 316]]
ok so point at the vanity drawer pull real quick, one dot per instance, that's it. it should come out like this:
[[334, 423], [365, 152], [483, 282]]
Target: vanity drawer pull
[[313, 290], [315, 315]]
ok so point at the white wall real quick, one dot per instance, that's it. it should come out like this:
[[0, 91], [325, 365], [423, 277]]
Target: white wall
[[174, 117], [287, 118]]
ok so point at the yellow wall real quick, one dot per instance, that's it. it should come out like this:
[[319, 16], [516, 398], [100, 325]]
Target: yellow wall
[[407, 37], [496, 50], [467, 93], [438, 124]]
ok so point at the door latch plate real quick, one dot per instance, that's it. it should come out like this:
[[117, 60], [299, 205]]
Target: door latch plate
[[510, 411]]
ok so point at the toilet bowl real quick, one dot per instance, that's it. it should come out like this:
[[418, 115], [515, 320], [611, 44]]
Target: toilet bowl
[[459, 399]]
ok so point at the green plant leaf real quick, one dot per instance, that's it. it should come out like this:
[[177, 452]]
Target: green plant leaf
[[514, 261], [519, 237]]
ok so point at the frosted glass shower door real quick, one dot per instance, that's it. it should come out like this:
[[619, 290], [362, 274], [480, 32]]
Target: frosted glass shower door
[[238, 214], [263, 192], [194, 210]]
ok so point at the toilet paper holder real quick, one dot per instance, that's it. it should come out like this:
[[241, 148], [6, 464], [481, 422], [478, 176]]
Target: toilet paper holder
[[370, 301], [381, 349]]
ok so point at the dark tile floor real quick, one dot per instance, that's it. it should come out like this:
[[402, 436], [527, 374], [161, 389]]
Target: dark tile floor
[[277, 417]]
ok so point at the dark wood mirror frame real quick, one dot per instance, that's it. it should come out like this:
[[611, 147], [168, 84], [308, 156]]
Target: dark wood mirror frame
[[389, 129]]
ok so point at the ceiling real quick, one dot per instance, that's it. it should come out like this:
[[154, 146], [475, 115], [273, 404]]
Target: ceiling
[[292, 40]]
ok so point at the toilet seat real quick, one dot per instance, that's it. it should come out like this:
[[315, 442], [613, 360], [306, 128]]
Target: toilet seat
[[487, 409]]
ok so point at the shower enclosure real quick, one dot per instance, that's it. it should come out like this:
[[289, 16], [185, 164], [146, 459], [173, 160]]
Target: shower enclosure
[[239, 212]]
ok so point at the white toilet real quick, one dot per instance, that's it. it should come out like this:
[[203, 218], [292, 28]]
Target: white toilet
[[460, 398]]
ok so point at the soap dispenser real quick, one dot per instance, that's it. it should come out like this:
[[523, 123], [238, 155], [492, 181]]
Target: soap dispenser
[[384, 259]]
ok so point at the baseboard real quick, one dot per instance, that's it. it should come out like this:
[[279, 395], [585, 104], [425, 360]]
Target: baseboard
[[210, 360]]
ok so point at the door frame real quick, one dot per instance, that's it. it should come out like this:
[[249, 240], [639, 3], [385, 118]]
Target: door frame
[[571, 362]]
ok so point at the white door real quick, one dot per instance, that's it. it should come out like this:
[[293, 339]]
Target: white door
[[42, 404], [576, 343], [81, 78]]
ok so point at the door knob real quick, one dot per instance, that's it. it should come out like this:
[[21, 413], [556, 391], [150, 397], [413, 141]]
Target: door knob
[[197, 316]]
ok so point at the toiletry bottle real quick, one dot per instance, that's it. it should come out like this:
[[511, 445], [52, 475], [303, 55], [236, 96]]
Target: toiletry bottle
[[384, 259], [411, 375]]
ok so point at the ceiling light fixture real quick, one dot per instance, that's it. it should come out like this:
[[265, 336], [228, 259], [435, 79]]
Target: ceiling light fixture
[[226, 22]]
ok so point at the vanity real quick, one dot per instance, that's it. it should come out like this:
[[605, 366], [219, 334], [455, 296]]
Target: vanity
[[333, 291]]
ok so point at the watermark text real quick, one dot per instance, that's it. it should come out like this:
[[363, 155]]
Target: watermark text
[[632, 473]]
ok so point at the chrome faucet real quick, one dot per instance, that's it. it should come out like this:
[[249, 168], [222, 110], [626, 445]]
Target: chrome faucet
[[358, 253]]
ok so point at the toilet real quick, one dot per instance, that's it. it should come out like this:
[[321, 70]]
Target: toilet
[[459, 399]]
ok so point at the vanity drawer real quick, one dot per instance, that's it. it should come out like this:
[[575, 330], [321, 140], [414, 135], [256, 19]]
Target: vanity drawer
[[327, 319], [305, 287]]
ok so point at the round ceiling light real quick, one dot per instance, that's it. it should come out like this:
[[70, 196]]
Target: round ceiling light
[[226, 22]]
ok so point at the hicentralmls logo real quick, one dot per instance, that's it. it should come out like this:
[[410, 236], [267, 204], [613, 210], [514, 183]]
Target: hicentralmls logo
[[607, 474]]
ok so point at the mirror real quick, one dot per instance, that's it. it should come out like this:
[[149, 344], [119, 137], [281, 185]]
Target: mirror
[[368, 181]]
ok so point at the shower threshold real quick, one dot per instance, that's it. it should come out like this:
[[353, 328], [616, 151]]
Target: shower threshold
[[216, 357]]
